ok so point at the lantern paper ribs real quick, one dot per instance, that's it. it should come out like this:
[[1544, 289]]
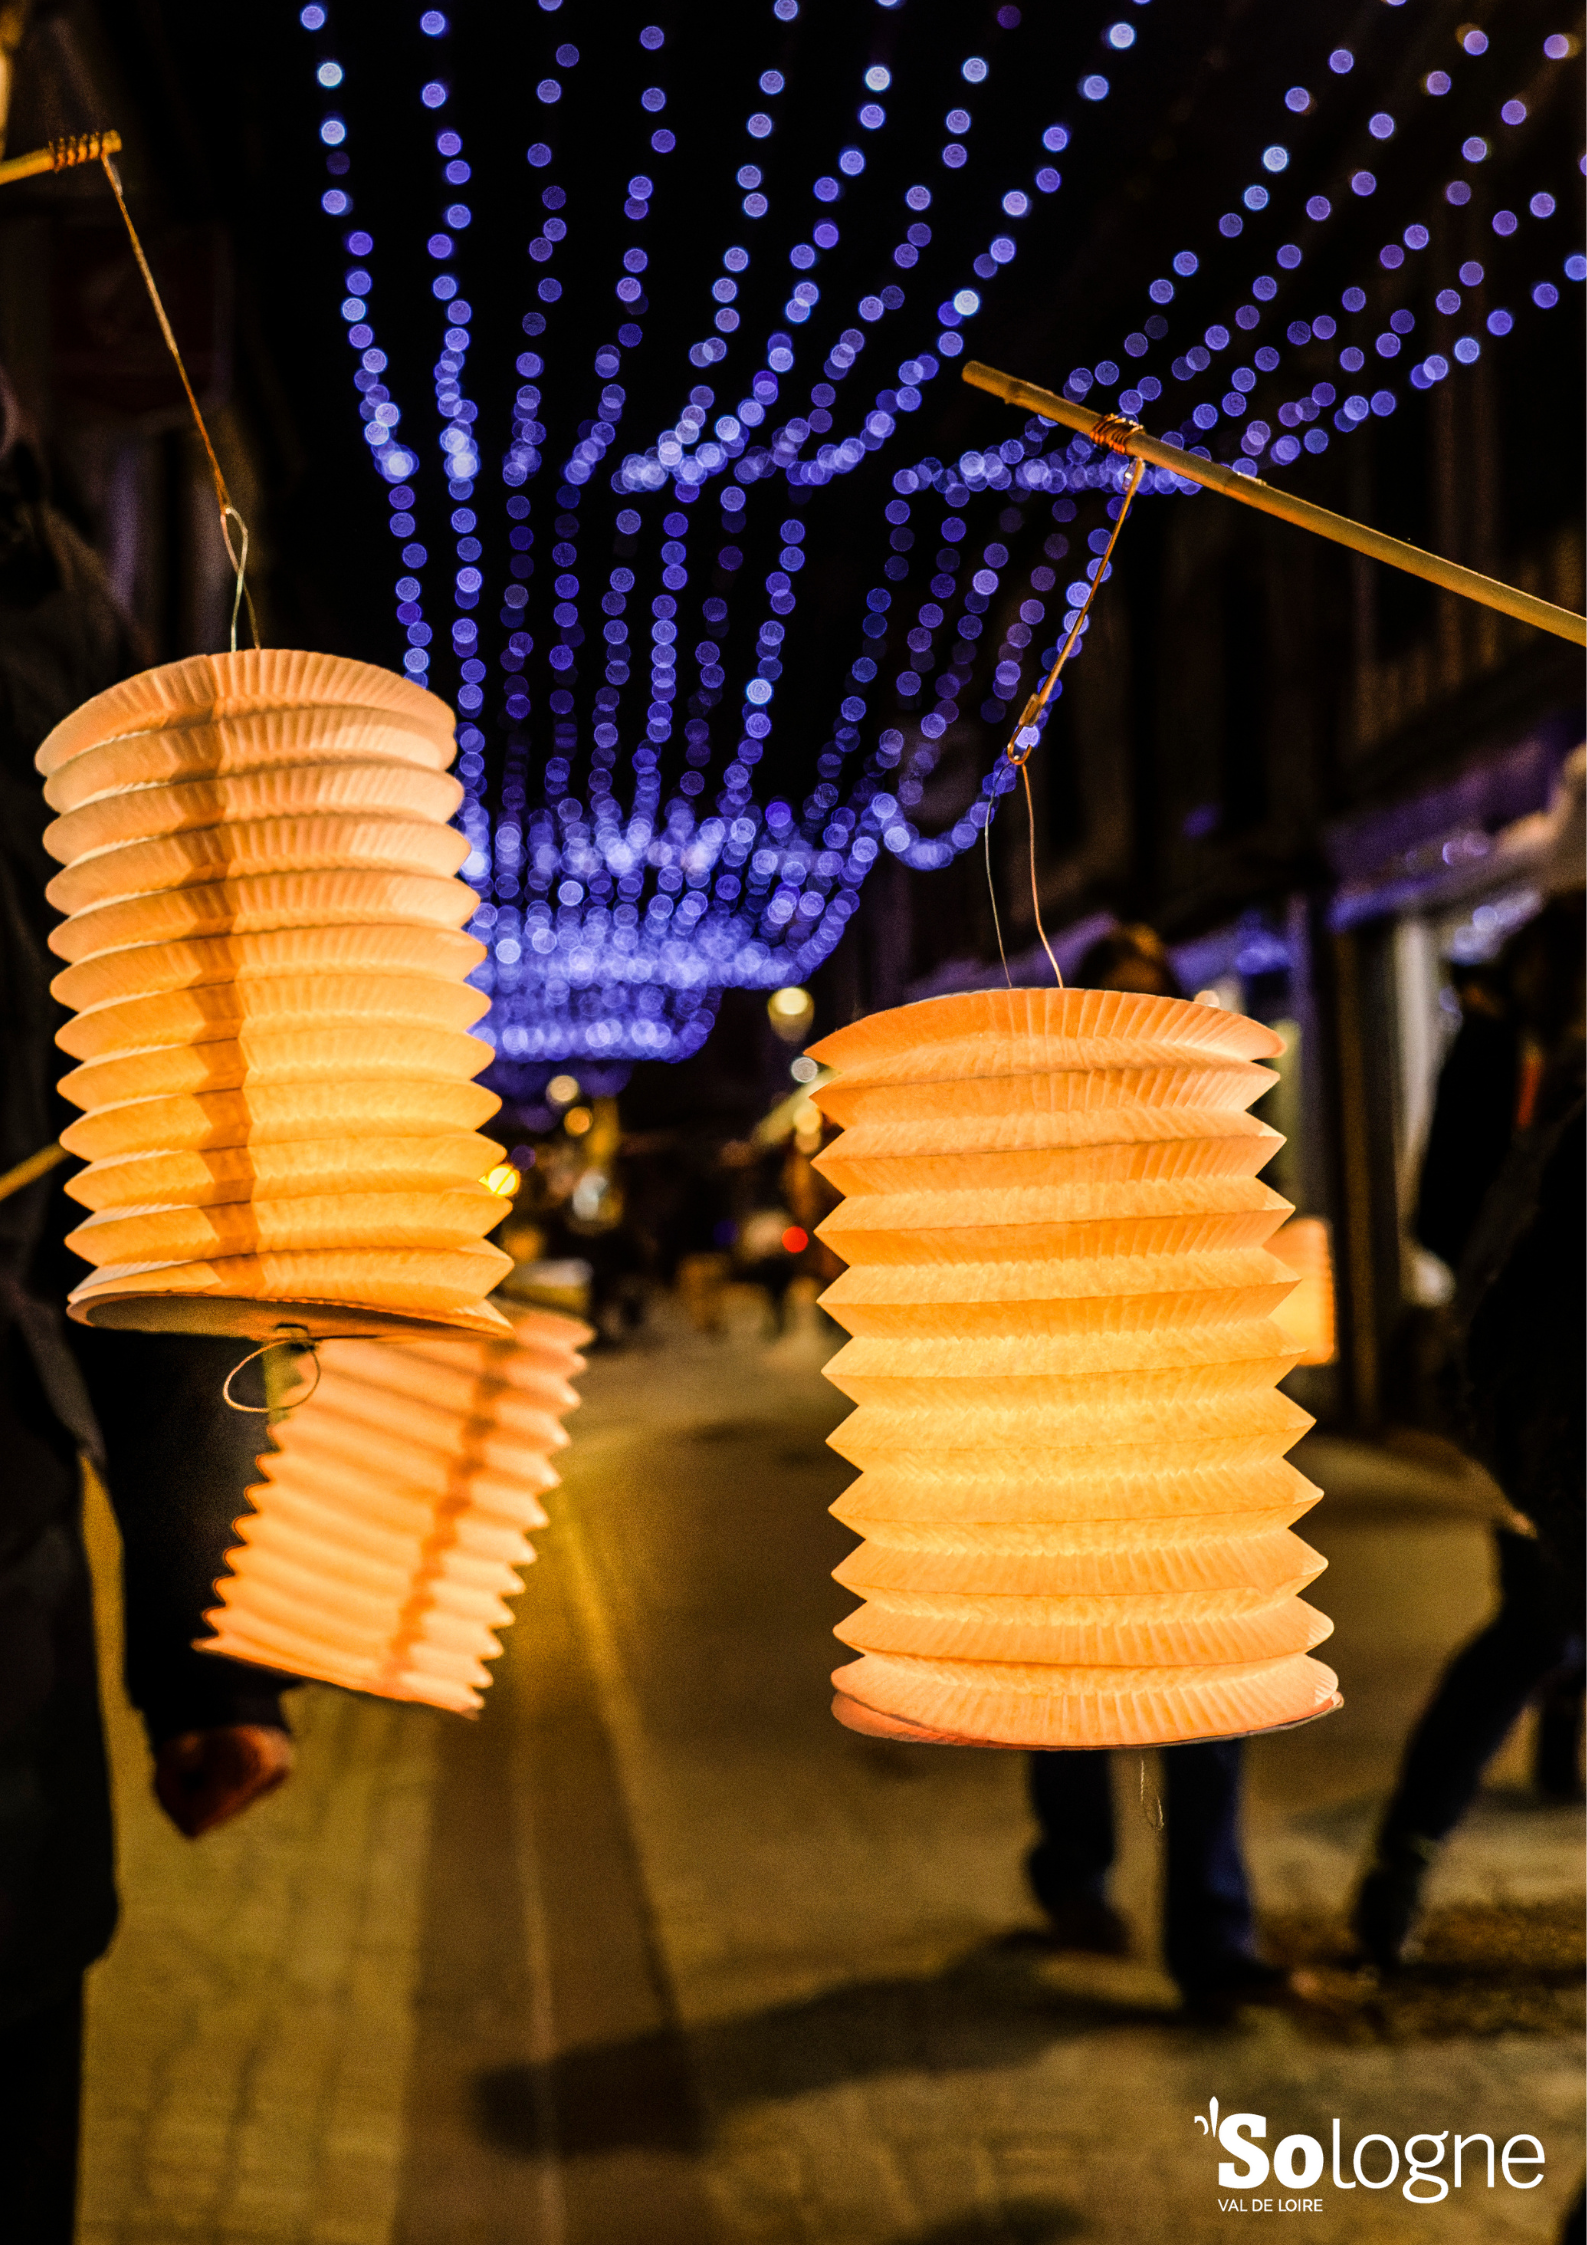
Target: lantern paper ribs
[[272, 1016], [1073, 1492], [391, 1523]]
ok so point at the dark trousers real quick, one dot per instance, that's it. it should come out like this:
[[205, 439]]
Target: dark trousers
[[1207, 1913], [1535, 1634], [41, 2066]]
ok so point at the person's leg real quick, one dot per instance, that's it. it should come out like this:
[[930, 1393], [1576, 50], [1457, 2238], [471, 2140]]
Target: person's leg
[[1479, 1699], [1556, 1757], [1207, 1923], [41, 2061], [1477, 1702], [1072, 1797]]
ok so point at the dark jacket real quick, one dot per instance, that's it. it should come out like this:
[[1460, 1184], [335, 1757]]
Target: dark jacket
[[1523, 1320], [147, 1408], [1469, 1135]]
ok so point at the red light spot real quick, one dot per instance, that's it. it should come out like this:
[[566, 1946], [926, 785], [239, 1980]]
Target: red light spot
[[795, 1240]]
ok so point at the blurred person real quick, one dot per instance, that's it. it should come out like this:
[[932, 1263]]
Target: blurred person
[[1473, 1119], [146, 1409], [1486, 1089], [768, 1249], [1208, 1926], [1520, 1341]]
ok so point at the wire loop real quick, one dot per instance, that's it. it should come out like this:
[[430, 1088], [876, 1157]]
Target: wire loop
[[1151, 1802], [300, 1342]]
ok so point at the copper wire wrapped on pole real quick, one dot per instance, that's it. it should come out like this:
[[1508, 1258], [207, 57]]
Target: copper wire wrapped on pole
[[1130, 440], [1073, 1493], [272, 1013]]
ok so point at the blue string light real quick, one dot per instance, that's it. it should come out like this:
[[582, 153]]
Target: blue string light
[[1379, 397], [615, 907]]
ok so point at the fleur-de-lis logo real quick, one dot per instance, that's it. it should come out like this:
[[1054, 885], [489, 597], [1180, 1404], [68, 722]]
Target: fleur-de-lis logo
[[1207, 2121]]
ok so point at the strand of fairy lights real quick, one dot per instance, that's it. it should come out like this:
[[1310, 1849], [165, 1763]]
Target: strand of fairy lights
[[781, 598], [380, 413], [1545, 295], [1016, 203], [448, 395], [434, 23], [1256, 197], [881, 424], [918, 198], [667, 458], [839, 369], [1205, 417], [683, 957], [595, 865], [1133, 402]]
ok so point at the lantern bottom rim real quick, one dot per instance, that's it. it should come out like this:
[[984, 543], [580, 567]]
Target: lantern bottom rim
[[277, 1319], [873, 1723]]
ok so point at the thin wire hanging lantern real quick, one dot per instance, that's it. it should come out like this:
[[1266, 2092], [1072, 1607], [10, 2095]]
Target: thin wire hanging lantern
[[390, 1527], [1073, 1493], [272, 1016]]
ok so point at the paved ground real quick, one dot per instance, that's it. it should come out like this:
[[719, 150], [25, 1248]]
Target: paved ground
[[654, 1953]]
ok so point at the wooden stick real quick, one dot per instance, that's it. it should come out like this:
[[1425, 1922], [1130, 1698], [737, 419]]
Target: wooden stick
[[60, 155], [1130, 438], [36, 1165]]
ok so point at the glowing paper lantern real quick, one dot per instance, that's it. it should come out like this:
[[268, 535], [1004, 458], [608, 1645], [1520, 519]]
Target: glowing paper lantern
[[272, 1013], [1073, 1492], [1302, 1246], [391, 1523]]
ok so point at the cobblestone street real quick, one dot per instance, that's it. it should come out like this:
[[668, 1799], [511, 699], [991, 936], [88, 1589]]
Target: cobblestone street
[[655, 1953]]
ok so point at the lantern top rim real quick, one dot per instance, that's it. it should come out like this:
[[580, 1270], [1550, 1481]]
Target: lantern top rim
[[205, 689], [1080, 1028]]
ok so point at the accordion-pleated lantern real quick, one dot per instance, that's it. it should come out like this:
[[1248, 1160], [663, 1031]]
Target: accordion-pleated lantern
[[271, 1013], [391, 1525], [1073, 1489], [1303, 1246]]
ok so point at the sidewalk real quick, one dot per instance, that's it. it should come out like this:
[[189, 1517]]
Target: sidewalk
[[656, 1951]]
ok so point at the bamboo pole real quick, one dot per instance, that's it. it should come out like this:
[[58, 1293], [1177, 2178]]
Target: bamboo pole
[[1131, 439], [36, 1165], [60, 155]]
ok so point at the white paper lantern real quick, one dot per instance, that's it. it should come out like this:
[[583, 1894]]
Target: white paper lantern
[[272, 1013], [1073, 1493], [391, 1521]]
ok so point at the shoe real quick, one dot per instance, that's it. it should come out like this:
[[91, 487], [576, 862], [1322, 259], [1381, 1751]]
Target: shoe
[[1389, 1898], [1239, 1981], [1083, 1924]]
